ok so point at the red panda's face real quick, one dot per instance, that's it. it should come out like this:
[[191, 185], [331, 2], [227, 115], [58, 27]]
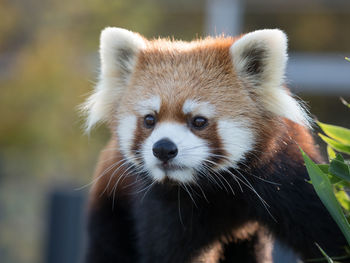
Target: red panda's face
[[180, 109], [184, 114], [182, 142]]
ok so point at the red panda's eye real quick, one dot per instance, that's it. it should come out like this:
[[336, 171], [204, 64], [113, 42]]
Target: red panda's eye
[[149, 121], [199, 122]]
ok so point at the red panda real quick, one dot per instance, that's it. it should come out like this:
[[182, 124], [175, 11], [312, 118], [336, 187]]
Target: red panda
[[203, 164]]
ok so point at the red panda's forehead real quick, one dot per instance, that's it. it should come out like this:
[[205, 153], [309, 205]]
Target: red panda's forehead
[[203, 72], [191, 65]]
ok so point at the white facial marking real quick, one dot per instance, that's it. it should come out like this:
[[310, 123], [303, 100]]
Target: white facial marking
[[192, 151], [237, 138], [125, 130], [148, 106], [198, 108], [185, 175]]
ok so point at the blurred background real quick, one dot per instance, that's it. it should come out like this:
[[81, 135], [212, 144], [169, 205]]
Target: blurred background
[[49, 63]]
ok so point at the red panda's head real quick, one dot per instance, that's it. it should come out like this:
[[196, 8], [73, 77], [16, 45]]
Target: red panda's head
[[179, 109]]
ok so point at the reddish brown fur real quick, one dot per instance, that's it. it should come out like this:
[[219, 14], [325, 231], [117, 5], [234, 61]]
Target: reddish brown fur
[[106, 178], [201, 70]]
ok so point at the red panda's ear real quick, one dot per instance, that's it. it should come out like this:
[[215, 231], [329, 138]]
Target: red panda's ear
[[118, 52], [259, 59], [119, 49], [261, 56]]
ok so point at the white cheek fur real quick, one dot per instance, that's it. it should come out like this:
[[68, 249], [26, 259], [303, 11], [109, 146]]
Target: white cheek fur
[[192, 151], [237, 139], [236, 136], [126, 130]]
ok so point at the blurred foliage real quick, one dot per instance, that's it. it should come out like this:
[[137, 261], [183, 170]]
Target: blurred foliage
[[308, 32]]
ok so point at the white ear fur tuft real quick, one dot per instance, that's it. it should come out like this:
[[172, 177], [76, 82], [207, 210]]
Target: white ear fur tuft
[[118, 48], [260, 59], [118, 53], [261, 56]]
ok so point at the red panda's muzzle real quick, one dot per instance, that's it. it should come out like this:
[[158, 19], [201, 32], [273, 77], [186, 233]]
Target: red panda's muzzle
[[165, 150]]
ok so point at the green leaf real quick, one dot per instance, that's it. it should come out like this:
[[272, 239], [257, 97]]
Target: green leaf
[[335, 179], [348, 59], [340, 169], [342, 183], [344, 101], [343, 199], [324, 167], [339, 157], [324, 190], [331, 153], [336, 132], [335, 145], [329, 260], [332, 178]]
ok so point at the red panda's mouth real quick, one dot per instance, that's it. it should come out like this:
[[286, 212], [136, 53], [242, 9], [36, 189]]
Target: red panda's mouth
[[170, 166]]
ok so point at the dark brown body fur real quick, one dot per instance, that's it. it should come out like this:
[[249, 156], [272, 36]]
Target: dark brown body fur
[[164, 224]]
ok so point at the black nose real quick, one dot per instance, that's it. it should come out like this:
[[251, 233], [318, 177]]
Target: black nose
[[164, 150]]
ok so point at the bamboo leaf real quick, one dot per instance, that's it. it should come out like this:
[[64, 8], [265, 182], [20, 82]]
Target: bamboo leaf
[[324, 190], [335, 179], [335, 144], [344, 101], [332, 178], [340, 169], [324, 167], [331, 153], [343, 199], [339, 157], [329, 260], [336, 132], [342, 183]]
